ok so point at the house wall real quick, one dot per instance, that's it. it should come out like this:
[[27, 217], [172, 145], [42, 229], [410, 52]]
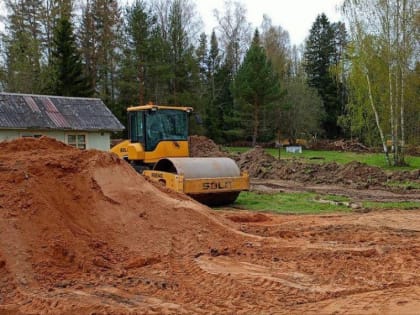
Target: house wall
[[94, 140], [98, 140]]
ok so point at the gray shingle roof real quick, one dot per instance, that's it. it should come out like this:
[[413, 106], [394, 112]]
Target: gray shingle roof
[[24, 111]]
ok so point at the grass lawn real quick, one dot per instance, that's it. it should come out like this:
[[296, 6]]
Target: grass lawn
[[286, 203], [310, 156], [309, 203]]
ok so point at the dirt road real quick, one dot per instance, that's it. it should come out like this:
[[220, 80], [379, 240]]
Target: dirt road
[[372, 194]]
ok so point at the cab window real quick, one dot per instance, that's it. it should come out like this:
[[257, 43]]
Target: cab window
[[165, 124]]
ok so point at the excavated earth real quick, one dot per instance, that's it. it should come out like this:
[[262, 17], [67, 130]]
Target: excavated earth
[[83, 233], [355, 180]]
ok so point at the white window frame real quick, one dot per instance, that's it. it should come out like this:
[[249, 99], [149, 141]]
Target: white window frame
[[77, 134]]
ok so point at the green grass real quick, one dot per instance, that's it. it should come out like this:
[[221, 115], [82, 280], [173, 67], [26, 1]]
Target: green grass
[[310, 156], [304, 203], [402, 205], [309, 203]]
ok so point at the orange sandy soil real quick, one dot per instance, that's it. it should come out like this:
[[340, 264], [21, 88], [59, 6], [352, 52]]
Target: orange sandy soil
[[83, 233]]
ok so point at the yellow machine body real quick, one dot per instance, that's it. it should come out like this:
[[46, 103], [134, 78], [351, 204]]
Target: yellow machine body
[[158, 147], [136, 151]]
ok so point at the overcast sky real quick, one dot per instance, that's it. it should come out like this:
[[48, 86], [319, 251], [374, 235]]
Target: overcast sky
[[295, 16]]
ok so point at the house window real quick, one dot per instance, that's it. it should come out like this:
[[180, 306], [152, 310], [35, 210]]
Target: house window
[[78, 141], [27, 135]]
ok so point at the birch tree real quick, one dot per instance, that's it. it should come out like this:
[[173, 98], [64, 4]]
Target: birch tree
[[384, 51], [234, 32]]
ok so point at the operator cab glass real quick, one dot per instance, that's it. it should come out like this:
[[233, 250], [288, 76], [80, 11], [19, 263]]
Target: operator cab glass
[[165, 124], [136, 127], [152, 126]]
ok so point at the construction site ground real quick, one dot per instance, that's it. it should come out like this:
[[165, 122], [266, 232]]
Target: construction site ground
[[82, 233]]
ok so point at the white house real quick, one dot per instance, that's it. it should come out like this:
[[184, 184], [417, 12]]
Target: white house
[[85, 123]]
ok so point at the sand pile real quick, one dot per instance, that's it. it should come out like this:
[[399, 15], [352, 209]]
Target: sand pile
[[70, 217], [82, 233]]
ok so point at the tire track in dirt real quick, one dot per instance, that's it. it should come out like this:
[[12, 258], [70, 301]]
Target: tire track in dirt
[[371, 194]]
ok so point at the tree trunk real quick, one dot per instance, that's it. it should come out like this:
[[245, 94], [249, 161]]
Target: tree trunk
[[377, 120], [402, 64], [141, 85], [256, 124]]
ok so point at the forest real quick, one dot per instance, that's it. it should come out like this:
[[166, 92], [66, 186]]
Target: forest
[[358, 78]]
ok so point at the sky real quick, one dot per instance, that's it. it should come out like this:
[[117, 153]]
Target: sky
[[295, 16]]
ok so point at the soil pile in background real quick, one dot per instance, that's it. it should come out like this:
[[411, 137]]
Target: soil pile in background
[[257, 162], [260, 164], [340, 145], [201, 146], [413, 150], [72, 218]]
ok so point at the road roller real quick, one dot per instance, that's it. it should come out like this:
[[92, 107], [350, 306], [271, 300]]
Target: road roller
[[158, 148]]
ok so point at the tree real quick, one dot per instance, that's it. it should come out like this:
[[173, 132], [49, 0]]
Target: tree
[[133, 83], [219, 81], [234, 32], [70, 79], [175, 68], [99, 35], [202, 89], [256, 85], [23, 46], [384, 46], [183, 65], [320, 56], [302, 112], [276, 43]]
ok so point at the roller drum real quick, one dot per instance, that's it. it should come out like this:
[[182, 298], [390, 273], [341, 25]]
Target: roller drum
[[199, 167]]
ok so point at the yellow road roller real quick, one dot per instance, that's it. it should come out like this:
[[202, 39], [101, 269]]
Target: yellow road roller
[[158, 148]]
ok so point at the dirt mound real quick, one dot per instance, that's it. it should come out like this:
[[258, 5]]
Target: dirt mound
[[413, 150], [72, 218], [201, 146], [256, 162], [403, 176], [340, 145], [260, 164]]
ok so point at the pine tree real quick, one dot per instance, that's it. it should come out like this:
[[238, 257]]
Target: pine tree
[[100, 35], [216, 80], [256, 86], [183, 64], [23, 46], [320, 56], [133, 80], [67, 64]]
